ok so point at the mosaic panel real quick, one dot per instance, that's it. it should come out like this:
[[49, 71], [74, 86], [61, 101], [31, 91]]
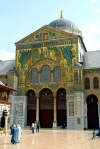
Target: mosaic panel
[[64, 52]]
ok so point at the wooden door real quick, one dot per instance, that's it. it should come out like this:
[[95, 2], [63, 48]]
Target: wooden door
[[46, 118], [61, 117], [46, 109], [31, 117], [93, 122]]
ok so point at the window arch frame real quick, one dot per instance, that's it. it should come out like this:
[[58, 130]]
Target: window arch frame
[[87, 84], [95, 84], [43, 79], [31, 99], [36, 76], [54, 74]]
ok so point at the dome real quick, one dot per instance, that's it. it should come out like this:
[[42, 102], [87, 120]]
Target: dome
[[13, 70], [77, 65], [63, 23]]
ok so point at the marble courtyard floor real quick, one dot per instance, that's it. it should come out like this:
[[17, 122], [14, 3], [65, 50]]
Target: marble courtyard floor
[[52, 139]]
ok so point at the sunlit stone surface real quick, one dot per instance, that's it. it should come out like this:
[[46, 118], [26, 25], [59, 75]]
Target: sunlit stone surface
[[52, 139]]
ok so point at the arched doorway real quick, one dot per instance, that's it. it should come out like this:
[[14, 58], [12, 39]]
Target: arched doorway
[[61, 107], [31, 107], [92, 112], [46, 108]]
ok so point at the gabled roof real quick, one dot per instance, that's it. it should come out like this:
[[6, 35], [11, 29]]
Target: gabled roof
[[43, 28], [68, 32], [6, 65]]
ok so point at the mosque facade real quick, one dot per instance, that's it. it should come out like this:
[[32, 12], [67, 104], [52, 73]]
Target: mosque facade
[[57, 80]]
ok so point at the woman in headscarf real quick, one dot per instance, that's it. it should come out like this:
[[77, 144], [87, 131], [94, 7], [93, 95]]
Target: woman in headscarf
[[19, 132], [98, 134], [14, 135]]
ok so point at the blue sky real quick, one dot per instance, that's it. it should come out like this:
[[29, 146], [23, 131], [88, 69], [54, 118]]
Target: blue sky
[[19, 18]]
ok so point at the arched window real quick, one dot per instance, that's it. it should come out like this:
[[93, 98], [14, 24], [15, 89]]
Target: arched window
[[57, 74], [45, 74], [95, 83], [34, 76], [87, 83]]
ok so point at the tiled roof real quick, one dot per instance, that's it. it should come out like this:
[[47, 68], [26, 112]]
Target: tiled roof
[[91, 59], [1, 83], [6, 65]]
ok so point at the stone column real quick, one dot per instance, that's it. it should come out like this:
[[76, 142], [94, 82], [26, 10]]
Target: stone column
[[55, 112], [5, 114], [37, 109], [5, 126]]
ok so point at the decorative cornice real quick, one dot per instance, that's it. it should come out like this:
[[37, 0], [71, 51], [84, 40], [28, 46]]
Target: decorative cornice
[[45, 41]]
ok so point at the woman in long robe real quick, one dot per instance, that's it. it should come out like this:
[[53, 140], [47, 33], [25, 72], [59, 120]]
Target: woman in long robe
[[98, 134], [14, 135], [19, 132]]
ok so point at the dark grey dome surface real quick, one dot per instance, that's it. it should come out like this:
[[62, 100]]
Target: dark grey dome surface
[[13, 70], [63, 23], [77, 65]]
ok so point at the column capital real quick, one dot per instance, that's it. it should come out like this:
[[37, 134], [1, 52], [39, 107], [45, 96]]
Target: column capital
[[37, 95], [54, 94]]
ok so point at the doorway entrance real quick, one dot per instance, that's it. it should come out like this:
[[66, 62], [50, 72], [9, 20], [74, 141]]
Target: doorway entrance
[[92, 112], [46, 108]]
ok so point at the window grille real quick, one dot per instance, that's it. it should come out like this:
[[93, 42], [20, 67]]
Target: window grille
[[57, 74], [96, 83], [76, 80], [46, 99], [61, 98], [31, 101], [78, 120], [87, 83], [45, 74], [34, 76]]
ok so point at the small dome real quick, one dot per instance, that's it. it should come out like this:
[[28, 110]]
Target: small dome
[[63, 23], [13, 70], [77, 65]]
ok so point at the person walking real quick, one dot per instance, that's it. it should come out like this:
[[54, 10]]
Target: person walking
[[14, 135], [11, 127], [33, 127], [37, 127], [19, 133], [93, 133], [98, 134]]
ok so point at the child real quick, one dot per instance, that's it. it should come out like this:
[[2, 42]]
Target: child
[[93, 133]]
